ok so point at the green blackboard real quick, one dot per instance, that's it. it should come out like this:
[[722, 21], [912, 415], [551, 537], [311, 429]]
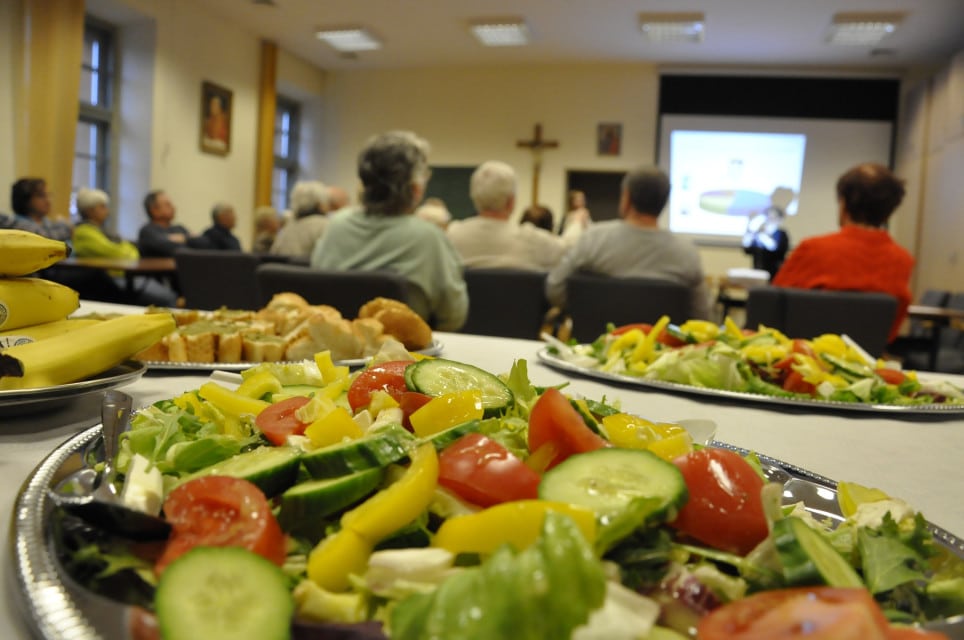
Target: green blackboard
[[451, 185]]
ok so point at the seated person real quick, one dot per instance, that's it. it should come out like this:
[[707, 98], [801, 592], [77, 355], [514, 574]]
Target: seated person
[[31, 207], [160, 237], [538, 216], [861, 256], [267, 222], [383, 233], [219, 236], [489, 239], [435, 211], [92, 240], [635, 246], [309, 207]]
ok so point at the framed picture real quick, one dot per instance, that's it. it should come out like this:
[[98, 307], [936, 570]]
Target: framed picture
[[609, 138], [216, 104]]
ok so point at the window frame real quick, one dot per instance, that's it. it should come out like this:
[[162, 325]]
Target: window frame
[[101, 114], [288, 163]]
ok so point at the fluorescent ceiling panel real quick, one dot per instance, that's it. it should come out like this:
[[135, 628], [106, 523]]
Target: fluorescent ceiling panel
[[862, 29], [349, 39], [673, 27], [508, 32]]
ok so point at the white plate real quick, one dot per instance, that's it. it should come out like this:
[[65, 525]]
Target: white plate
[[433, 349], [556, 362], [22, 401], [56, 607]]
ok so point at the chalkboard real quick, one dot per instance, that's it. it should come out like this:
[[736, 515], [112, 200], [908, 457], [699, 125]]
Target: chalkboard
[[451, 185]]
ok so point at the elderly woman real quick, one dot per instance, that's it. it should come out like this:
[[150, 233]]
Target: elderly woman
[[309, 205], [30, 202], [92, 240], [384, 234]]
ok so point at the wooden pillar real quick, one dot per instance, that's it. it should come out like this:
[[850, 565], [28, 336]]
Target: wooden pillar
[[267, 95], [48, 84]]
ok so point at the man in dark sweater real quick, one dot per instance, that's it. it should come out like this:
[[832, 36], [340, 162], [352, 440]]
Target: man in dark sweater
[[218, 235], [160, 237]]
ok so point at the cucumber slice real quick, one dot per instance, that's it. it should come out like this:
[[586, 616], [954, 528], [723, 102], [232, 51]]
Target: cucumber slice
[[272, 469], [608, 480], [374, 451], [444, 438], [854, 370], [292, 390], [438, 376], [809, 559], [221, 593], [305, 504]]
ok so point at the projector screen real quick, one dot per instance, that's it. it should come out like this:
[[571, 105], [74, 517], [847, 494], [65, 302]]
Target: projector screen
[[724, 169]]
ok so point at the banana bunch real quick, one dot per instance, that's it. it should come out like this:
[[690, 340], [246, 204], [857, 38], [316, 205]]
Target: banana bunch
[[43, 331], [25, 302], [82, 352], [23, 253]]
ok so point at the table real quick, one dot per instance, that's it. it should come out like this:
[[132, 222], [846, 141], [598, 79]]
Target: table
[[940, 317], [913, 457], [165, 267]]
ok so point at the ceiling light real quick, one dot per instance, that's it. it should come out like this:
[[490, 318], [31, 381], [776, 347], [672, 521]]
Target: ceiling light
[[507, 32], [672, 27], [861, 29], [349, 39]]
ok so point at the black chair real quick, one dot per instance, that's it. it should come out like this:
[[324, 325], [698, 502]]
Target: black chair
[[594, 300], [347, 291], [505, 302], [210, 279], [806, 313], [919, 348]]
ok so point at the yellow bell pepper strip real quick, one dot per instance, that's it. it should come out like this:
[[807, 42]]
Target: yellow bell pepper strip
[[381, 400], [259, 384], [732, 329], [336, 558], [231, 402], [346, 552], [329, 372], [673, 443], [517, 523], [541, 458], [851, 495], [446, 411], [627, 340], [392, 508], [628, 431], [701, 330], [645, 351], [332, 428]]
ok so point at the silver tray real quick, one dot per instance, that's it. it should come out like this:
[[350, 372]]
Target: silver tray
[[554, 361], [24, 401], [433, 349], [56, 608]]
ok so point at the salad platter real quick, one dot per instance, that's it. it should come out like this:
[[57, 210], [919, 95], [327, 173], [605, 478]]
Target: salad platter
[[23, 401], [551, 358], [58, 608], [347, 497], [434, 349]]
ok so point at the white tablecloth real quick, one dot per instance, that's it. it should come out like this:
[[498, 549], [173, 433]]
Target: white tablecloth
[[916, 458]]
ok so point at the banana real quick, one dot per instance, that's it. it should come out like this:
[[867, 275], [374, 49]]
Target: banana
[[81, 353], [22, 252], [25, 302], [43, 331]]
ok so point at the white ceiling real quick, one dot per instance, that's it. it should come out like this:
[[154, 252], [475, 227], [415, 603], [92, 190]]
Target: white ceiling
[[418, 33]]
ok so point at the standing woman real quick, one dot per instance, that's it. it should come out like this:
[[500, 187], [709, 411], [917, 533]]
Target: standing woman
[[384, 234]]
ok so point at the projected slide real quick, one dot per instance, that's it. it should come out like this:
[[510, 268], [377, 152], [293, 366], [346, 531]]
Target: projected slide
[[722, 178]]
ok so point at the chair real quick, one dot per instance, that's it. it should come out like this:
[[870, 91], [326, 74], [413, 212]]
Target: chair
[[594, 300], [919, 347], [806, 313], [505, 302], [209, 279], [347, 291]]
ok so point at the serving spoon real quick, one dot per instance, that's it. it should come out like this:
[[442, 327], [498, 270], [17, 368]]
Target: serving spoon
[[93, 497]]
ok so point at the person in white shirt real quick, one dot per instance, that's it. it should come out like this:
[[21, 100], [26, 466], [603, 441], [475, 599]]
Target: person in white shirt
[[489, 240]]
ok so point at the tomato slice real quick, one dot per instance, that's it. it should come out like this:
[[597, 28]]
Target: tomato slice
[[724, 509], [220, 511], [808, 613], [795, 383], [554, 420], [484, 472], [387, 376], [891, 376], [278, 421], [645, 327]]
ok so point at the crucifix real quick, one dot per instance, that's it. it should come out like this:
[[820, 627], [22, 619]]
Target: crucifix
[[536, 145]]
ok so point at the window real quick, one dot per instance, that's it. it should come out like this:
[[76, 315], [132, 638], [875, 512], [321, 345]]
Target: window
[[92, 145], [287, 123]]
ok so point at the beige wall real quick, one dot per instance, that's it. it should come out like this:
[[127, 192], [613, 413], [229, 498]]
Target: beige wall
[[9, 42]]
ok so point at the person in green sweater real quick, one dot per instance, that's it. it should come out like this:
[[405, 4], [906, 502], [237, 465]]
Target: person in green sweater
[[92, 240]]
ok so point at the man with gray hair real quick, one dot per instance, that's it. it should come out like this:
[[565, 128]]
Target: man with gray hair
[[219, 235], [309, 203], [635, 246], [489, 239]]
